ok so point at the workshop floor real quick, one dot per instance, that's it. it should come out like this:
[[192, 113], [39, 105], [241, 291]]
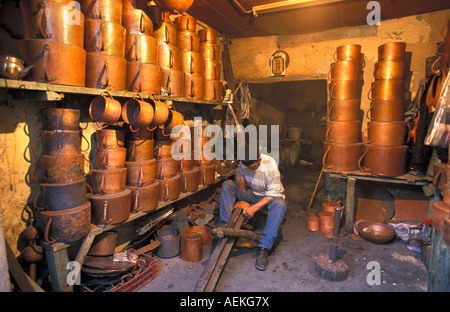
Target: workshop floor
[[291, 267]]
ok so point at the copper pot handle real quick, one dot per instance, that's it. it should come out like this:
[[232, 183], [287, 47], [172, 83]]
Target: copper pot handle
[[34, 143], [360, 159], [46, 49], [33, 121], [40, 18], [136, 207], [327, 135], [142, 23], [370, 93], [135, 49], [32, 170], [46, 232], [331, 91], [35, 202], [363, 137], [105, 209], [192, 89], [214, 54], [140, 177], [324, 159], [330, 111], [329, 71], [192, 42], [334, 55], [369, 116], [89, 145], [171, 59], [99, 44], [437, 178], [91, 167], [106, 84], [184, 183], [191, 65], [166, 35]]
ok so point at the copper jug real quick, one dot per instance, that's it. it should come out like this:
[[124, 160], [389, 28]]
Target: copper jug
[[105, 37], [160, 113], [343, 131], [104, 108], [174, 119], [342, 157], [105, 71], [137, 112], [60, 142], [387, 133], [61, 196], [163, 149], [207, 174]]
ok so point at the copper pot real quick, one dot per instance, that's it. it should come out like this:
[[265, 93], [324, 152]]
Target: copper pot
[[203, 162], [186, 23], [313, 223], [166, 34], [342, 157], [191, 63], [143, 77], [208, 35], [344, 110], [138, 150], [213, 90], [345, 89], [137, 113], [61, 196], [347, 52], [105, 37], [110, 158], [190, 180], [440, 212], [391, 51], [172, 80], [52, 21], [104, 244], [108, 181], [137, 22], [107, 10], [111, 208], [174, 119], [386, 110], [169, 56], [207, 174], [104, 108], [144, 198], [137, 134], [61, 169], [170, 188], [210, 51], [67, 226], [211, 70], [141, 48], [188, 41], [191, 247], [163, 149], [389, 69], [61, 142], [387, 90], [54, 62], [343, 131], [174, 6], [141, 173], [166, 168], [194, 86], [388, 133], [110, 138], [60, 119], [345, 70], [160, 113], [186, 165], [384, 160], [105, 71]]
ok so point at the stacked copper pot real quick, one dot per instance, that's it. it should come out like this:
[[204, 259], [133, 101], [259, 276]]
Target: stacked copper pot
[[206, 165], [143, 74], [385, 152], [65, 211], [191, 60], [53, 41], [343, 147], [441, 209], [111, 201], [104, 41], [210, 51]]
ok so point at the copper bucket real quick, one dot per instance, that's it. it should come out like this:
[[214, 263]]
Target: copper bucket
[[104, 244], [141, 173], [213, 90], [61, 169], [186, 23], [313, 223], [174, 119], [342, 157], [60, 119], [139, 150], [170, 188], [191, 63], [347, 52], [207, 174], [143, 77], [392, 51], [345, 89], [208, 35], [326, 223], [345, 70], [104, 37], [194, 86], [384, 160], [389, 70], [169, 56], [387, 133], [137, 22], [172, 81], [387, 90], [160, 113], [144, 198], [343, 131], [108, 10], [386, 110], [54, 62], [190, 180], [60, 142], [53, 21], [203, 230], [111, 208], [104, 108], [330, 206], [110, 158], [108, 181], [188, 41], [166, 34], [110, 138], [137, 113], [105, 71], [191, 247], [211, 70], [210, 51], [166, 168], [61, 196], [344, 110], [141, 48]]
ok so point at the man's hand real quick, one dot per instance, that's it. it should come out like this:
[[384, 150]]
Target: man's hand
[[249, 212]]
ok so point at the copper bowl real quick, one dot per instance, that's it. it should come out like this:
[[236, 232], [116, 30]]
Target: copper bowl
[[375, 232]]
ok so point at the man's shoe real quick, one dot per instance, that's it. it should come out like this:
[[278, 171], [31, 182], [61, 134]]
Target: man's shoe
[[262, 258]]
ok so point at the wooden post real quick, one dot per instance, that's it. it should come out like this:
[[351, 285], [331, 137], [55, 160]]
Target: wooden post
[[350, 205]]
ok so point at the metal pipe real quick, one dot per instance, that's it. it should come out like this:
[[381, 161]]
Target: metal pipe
[[334, 240]]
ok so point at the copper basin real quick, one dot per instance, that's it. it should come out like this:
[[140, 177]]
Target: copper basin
[[108, 181], [387, 90], [110, 158], [345, 70], [375, 232], [141, 48], [169, 56], [210, 51], [60, 119], [389, 69], [188, 41], [191, 63], [347, 52], [172, 81], [166, 34], [186, 23], [110, 138], [208, 35], [392, 51], [137, 22], [194, 86], [345, 89], [138, 150], [170, 188]]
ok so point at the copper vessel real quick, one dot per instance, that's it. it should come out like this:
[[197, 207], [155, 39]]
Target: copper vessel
[[163, 149], [387, 90], [137, 112], [391, 51], [326, 223], [54, 62], [342, 157], [384, 160], [60, 119], [169, 56], [62, 196], [389, 69], [110, 158], [345, 89], [344, 110], [108, 181], [194, 86], [144, 198], [213, 90], [105, 71], [166, 34], [134, 4], [138, 150], [137, 22], [191, 63], [345, 70], [110, 138], [174, 119], [207, 174], [141, 48], [143, 77], [210, 51], [170, 188], [186, 23], [211, 70], [343, 131], [141, 173], [137, 134], [191, 247], [313, 223], [67, 226], [208, 35], [174, 6], [111, 208], [104, 108], [108, 10], [52, 21], [388, 133], [61, 169], [440, 212], [190, 180], [160, 113], [104, 244], [172, 81], [104, 37], [347, 52], [61, 142], [166, 168], [186, 165], [386, 110], [188, 41]]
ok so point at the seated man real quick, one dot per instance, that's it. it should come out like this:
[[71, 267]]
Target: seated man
[[264, 191]]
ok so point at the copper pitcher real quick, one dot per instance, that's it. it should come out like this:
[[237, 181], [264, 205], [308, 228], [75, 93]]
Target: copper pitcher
[[343, 131], [137, 112], [111, 208], [188, 41], [191, 63], [110, 158], [105, 71], [342, 157], [172, 81], [141, 48], [194, 86], [387, 90], [105, 37], [345, 70], [104, 108], [110, 138], [186, 23], [387, 133], [392, 51], [389, 69], [144, 198], [138, 150], [107, 10], [137, 22], [108, 181], [211, 70], [213, 90], [347, 52], [208, 35], [210, 51], [169, 56], [143, 77], [344, 110], [170, 188], [386, 110], [141, 173], [384, 160], [345, 89]]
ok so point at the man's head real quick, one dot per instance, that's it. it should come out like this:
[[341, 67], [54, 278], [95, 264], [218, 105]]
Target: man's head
[[250, 161]]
